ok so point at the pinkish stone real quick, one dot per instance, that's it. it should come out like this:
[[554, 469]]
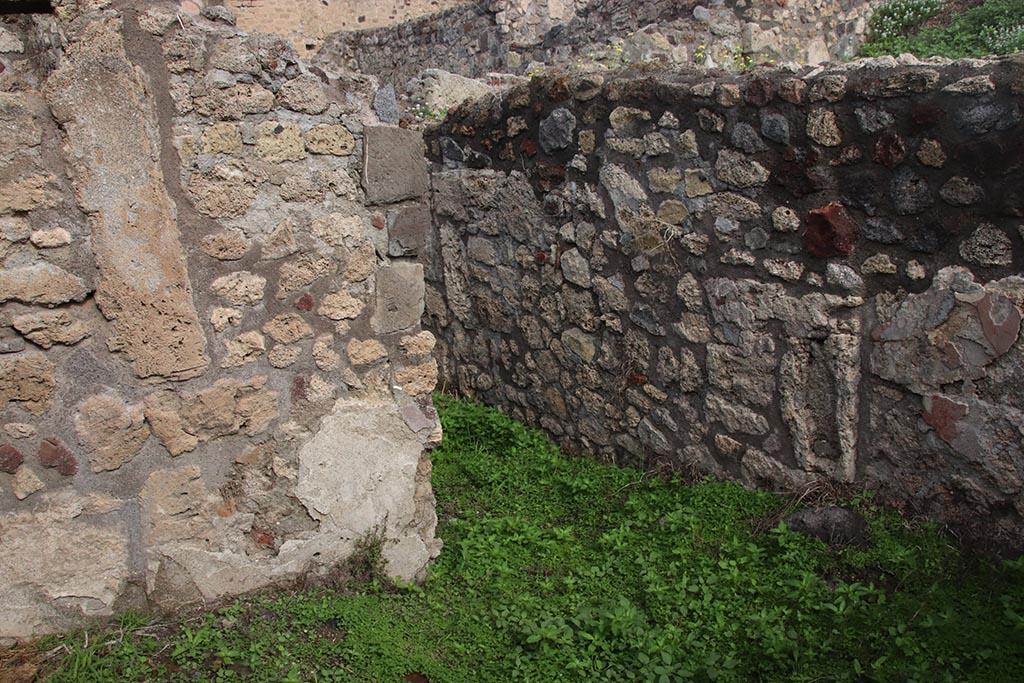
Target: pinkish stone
[[943, 414], [54, 453], [10, 459], [1000, 321]]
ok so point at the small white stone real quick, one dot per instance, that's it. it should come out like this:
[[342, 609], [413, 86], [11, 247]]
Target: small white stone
[[790, 271], [784, 219], [19, 430], [26, 482], [47, 239], [878, 264], [916, 270]]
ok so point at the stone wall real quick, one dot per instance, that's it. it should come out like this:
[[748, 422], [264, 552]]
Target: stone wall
[[778, 278], [510, 35], [212, 372], [307, 22]]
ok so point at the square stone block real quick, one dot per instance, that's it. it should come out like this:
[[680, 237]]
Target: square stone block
[[394, 164], [400, 292], [408, 232]]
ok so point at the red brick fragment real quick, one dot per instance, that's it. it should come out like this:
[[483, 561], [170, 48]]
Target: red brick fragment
[[10, 459], [758, 92], [831, 231], [263, 537], [299, 388], [304, 302], [54, 453], [550, 174]]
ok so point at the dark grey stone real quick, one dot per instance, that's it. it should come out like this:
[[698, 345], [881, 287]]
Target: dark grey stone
[[400, 291], [881, 230], [959, 191], [407, 235], [451, 151], [910, 193], [645, 317], [11, 343], [756, 239], [556, 131], [872, 119], [775, 127], [744, 137], [838, 527], [982, 118], [386, 104], [475, 159], [218, 13]]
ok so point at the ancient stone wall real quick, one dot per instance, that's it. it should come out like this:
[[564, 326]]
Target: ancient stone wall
[[212, 372], [307, 22], [777, 278], [509, 35]]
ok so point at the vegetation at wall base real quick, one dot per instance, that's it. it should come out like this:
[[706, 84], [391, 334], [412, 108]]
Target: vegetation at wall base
[[563, 569], [947, 28]]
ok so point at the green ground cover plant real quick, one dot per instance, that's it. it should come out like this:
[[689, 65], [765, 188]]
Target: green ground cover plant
[[948, 28], [563, 569]]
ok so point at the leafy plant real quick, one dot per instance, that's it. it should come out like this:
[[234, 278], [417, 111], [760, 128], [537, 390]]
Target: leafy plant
[[993, 27]]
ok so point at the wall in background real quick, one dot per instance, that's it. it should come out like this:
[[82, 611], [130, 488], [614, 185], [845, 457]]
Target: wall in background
[[776, 278]]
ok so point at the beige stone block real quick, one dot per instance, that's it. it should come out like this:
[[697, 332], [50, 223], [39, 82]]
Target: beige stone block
[[221, 138], [278, 141], [365, 352], [111, 431], [328, 138]]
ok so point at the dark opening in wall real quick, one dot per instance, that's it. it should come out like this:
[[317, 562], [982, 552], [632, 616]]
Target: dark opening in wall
[[26, 7]]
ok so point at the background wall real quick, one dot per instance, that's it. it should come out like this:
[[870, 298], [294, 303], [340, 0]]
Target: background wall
[[212, 373], [307, 22], [776, 278], [473, 39]]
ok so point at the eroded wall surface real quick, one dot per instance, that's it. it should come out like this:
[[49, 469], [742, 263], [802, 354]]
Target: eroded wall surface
[[776, 279], [212, 371]]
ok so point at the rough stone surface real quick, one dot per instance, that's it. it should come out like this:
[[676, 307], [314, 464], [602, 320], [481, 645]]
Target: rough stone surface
[[838, 527], [830, 231], [354, 488], [327, 138], [80, 565], [393, 166], [182, 421], [111, 431], [27, 379], [101, 102], [150, 176], [751, 296], [42, 283], [556, 131], [400, 298], [988, 246], [287, 328], [240, 288], [46, 328]]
